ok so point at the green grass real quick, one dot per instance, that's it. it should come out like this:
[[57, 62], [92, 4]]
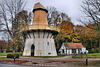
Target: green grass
[[90, 55], [4, 58], [4, 54], [48, 56]]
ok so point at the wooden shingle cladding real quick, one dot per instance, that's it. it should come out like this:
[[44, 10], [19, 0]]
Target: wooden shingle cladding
[[40, 21], [38, 5]]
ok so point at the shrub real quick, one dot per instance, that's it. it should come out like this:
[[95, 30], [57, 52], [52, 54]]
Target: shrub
[[98, 50], [13, 55], [95, 50]]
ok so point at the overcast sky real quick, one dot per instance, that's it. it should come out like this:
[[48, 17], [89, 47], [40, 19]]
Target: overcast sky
[[70, 7]]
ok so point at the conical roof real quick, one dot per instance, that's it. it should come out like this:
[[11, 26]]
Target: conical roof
[[38, 5]]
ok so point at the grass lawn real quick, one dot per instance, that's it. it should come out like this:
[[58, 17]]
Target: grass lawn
[[4, 58], [90, 55], [48, 56], [4, 54]]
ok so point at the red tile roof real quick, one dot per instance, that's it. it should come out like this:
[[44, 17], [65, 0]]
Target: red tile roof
[[73, 45]]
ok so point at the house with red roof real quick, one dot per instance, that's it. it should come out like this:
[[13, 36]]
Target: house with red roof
[[72, 48]]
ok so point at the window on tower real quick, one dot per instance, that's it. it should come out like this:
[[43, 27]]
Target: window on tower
[[47, 43], [49, 53]]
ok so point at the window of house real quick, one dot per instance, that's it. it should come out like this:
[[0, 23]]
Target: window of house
[[66, 51], [63, 51], [79, 51], [73, 50]]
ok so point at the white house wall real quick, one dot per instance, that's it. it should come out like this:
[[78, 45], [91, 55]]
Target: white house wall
[[67, 51], [77, 51]]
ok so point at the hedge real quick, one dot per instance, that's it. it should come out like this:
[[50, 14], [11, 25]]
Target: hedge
[[13, 55]]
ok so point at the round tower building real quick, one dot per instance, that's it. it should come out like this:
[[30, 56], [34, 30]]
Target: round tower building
[[39, 37]]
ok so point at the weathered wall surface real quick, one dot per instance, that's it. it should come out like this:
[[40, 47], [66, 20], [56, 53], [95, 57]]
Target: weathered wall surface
[[43, 42]]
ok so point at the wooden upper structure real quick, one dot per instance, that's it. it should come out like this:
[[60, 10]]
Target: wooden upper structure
[[40, 21]]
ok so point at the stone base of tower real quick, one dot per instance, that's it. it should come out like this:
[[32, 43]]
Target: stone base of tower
[[39, 43]]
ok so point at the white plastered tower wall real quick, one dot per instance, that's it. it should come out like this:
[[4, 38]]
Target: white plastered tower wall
[[44, 46], [27, 46]]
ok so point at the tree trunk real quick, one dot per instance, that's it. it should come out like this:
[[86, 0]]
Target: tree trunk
[[91, 44], [13, 51], [99, 43], [13, 48]]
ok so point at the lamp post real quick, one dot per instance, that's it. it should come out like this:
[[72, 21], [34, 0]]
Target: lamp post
[[86, 59], [13, 48], [14, 59]]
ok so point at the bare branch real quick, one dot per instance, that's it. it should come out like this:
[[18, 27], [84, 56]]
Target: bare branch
[[91, 8]]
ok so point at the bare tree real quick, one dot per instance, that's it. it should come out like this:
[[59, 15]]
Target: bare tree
[[91, 9], [8, 12], [55, 17], [52, 15]]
